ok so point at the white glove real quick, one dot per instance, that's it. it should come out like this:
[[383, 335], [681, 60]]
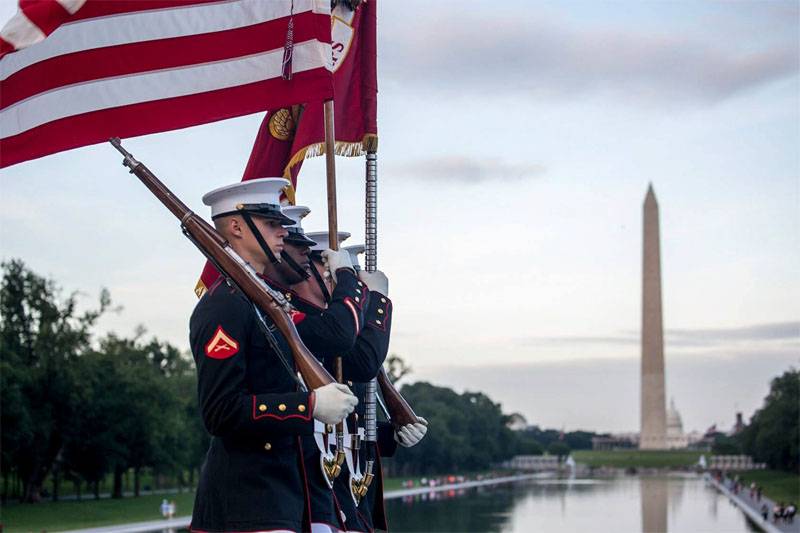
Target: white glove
[[336, 259], [411, 434], [376, 281], [333, 402]]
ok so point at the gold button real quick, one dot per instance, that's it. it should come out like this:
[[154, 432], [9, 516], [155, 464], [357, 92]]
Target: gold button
[[301, 408], [357, 299], [282, 407], [360, 284], [380, 311], [358, 291], [378, 322], [289, 296], [268, 446], [383, 300], [262, 407]]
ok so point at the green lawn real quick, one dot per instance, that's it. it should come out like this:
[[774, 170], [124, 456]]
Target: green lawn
[[777, 485], [64, 515], [638, 458]]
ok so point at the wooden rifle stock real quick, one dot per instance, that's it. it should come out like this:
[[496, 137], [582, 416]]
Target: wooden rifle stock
[[217, 249], [398, 407]]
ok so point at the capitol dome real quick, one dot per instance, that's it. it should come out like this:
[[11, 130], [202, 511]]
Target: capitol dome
[[675, 435], [674, 423]]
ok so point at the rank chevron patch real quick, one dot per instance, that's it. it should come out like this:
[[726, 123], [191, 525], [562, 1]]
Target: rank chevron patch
[[221, 345]]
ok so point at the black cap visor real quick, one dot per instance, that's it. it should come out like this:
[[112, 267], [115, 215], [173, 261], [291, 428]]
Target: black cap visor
[[270, 211], [297, 238]]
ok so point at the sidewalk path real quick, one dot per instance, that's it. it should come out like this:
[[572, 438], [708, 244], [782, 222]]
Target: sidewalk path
[[752, 508]]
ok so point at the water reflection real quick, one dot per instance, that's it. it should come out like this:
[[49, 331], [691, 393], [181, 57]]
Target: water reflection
[[647, 503], [654, 504]]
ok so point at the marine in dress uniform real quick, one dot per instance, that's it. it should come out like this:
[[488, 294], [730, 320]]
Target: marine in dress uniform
[[331, 329], [253, 478], [372, 345]]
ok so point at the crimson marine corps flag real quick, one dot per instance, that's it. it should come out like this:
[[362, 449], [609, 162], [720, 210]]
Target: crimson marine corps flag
[[76, 72], [290, 134]]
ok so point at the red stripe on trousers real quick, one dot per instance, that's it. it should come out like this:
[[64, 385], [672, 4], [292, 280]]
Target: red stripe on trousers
[[164, 115], [146, 56]]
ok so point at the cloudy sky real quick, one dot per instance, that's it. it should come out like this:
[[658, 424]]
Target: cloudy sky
[[517, 141]]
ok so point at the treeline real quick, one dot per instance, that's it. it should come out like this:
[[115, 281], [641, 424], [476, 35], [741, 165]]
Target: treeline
[[79, 410], [469, 432], [773, 434]]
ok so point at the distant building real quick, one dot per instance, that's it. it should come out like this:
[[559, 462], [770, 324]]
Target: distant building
[[516, 422], [739, 426], [734, 462], [534, 463], [676, 439]]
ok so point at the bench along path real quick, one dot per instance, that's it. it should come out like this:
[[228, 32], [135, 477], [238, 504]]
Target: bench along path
[[752, 508], [182, 522]]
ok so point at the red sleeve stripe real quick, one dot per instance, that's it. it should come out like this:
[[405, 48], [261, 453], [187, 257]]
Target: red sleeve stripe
[[349, 303]]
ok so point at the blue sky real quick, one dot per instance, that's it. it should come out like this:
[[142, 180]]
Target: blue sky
[[516, 145]]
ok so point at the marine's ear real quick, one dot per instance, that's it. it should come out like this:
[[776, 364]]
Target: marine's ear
[[230, 227]]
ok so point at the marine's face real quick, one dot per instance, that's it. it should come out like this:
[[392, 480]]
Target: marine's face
[[299, 253], [272, 233]]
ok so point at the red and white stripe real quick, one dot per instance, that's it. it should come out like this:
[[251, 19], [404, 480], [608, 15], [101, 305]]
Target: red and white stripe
[[87, 70]]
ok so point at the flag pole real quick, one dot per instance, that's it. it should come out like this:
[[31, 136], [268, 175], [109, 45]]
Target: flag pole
[[333, 244], [330, 171], [370, 265]]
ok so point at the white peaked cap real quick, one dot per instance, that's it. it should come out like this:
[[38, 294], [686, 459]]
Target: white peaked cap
[[355, 250], [225, 200], [321, 238], [296, 213]]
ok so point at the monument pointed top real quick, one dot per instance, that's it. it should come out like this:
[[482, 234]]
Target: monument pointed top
[[650, 198]]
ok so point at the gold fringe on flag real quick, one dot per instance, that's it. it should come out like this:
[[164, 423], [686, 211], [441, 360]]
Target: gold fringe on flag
[[345, 149], [370, 142]]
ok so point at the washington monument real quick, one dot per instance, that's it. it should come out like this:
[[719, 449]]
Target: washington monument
[[654, 412]]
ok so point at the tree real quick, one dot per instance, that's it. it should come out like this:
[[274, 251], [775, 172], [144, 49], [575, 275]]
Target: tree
[[725, 445], [42, 336], [773, 435], [558, 448], [467, 432], [148, 417], [396, 367]]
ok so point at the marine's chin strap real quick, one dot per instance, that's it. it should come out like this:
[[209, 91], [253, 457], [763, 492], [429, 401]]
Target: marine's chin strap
[[295, 266], [259, 238], [320, 282]]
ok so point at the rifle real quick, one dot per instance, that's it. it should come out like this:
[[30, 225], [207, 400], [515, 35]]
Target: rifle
[[234, 269], [400, 411]]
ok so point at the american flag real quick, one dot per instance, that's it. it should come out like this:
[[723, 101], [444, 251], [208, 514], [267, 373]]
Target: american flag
[[76, 72]]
